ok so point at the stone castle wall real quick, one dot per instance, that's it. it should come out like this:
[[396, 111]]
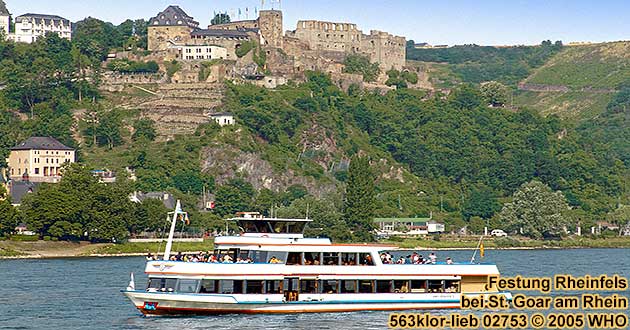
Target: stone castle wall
[[320, 35], [386, 49], [158, 37], [236, 25]]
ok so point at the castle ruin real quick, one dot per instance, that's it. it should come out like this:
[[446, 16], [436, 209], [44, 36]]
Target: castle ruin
[[313, 45]]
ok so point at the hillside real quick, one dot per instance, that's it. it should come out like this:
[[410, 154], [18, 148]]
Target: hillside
[[600, 67], [578, 82]]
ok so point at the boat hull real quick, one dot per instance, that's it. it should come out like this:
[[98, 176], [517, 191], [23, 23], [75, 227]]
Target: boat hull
[[194, 304]]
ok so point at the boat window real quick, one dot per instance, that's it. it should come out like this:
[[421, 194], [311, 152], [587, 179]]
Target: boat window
[[348, 286], [365, 259], [329, 286], [418, 286], [230, 286], [308, 286], [187, 286], [233, 253], [401, 286], [291, 284], [451, 286], [349, 259], [162, 284], [209, 286], [366, 286], [278, 226], [383, 286], [312, 258], [277, 257], [436, 286], [294, 258], [258, 256], [254, 226], [331, 258], [273, 286], [244, 254], [254, 286]]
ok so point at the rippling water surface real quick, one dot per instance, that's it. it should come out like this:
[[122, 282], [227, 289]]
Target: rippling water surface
[[84, 293]]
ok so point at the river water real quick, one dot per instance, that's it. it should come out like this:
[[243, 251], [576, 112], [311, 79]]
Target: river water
[[84, 293]]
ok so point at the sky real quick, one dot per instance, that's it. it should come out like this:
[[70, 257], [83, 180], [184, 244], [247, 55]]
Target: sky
[[450, 22]]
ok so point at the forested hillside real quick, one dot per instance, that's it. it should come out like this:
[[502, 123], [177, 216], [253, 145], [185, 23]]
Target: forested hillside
[[463, 158], [476, 64]]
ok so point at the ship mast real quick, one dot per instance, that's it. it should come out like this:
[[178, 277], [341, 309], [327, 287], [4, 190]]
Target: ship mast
[[169, 242]]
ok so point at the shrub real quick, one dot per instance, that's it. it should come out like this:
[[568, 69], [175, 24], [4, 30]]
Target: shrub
[[24, 238]]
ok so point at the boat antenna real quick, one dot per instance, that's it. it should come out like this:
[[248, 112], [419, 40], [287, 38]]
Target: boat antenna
[[307, 206], [169, 242]]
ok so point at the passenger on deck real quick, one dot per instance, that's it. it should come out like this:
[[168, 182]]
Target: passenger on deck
[[179, 256], [449, 261], [274, 260], [227, 259], [433, 257], [150, 256]]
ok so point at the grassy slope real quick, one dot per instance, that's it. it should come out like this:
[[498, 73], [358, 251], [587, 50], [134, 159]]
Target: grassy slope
[[602, 65], [580, 68]]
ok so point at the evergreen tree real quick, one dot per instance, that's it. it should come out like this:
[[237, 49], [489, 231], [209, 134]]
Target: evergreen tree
[[359, 203]]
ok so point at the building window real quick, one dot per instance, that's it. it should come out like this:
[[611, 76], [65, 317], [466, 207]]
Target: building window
[[37, 170]]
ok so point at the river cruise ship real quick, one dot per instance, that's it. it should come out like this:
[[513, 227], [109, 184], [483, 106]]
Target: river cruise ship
[[270, 267]]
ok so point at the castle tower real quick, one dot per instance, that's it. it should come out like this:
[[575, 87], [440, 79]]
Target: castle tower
[[270, 25], [4, 18]]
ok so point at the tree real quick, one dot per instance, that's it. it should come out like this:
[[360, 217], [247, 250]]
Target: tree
[[495, 93], [466, 97], [108, 129], [536, 211], [234, 196], [325, 213], [620, 216], [220, 18], [481, 202], [149, 215], [144, 128], [361, 65], [7, 213], [360, 201], [79, 207]]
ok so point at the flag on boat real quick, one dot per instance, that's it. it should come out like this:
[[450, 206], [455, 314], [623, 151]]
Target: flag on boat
[[482, 251]]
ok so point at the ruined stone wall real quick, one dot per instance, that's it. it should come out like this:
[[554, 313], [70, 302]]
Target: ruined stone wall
[[386, 49], [158, 37], [329, 36], [270, 25]]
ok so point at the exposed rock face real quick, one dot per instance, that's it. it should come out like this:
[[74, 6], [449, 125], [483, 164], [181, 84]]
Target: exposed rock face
[[226, 162]]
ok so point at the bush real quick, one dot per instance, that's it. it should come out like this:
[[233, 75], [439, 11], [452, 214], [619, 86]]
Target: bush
[[127, 66], [361, 65], [505, 242], [245, 48], [24, 238]]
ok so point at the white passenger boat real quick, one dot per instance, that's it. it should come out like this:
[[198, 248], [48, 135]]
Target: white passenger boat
[[277, 270]]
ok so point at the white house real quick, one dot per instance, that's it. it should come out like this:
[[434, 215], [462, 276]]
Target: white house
[[223, 118], [29, 27], [201, 52], [407, 226]]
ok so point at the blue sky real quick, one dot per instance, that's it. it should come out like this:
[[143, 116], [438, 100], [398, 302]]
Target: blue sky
[[484, 22]]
